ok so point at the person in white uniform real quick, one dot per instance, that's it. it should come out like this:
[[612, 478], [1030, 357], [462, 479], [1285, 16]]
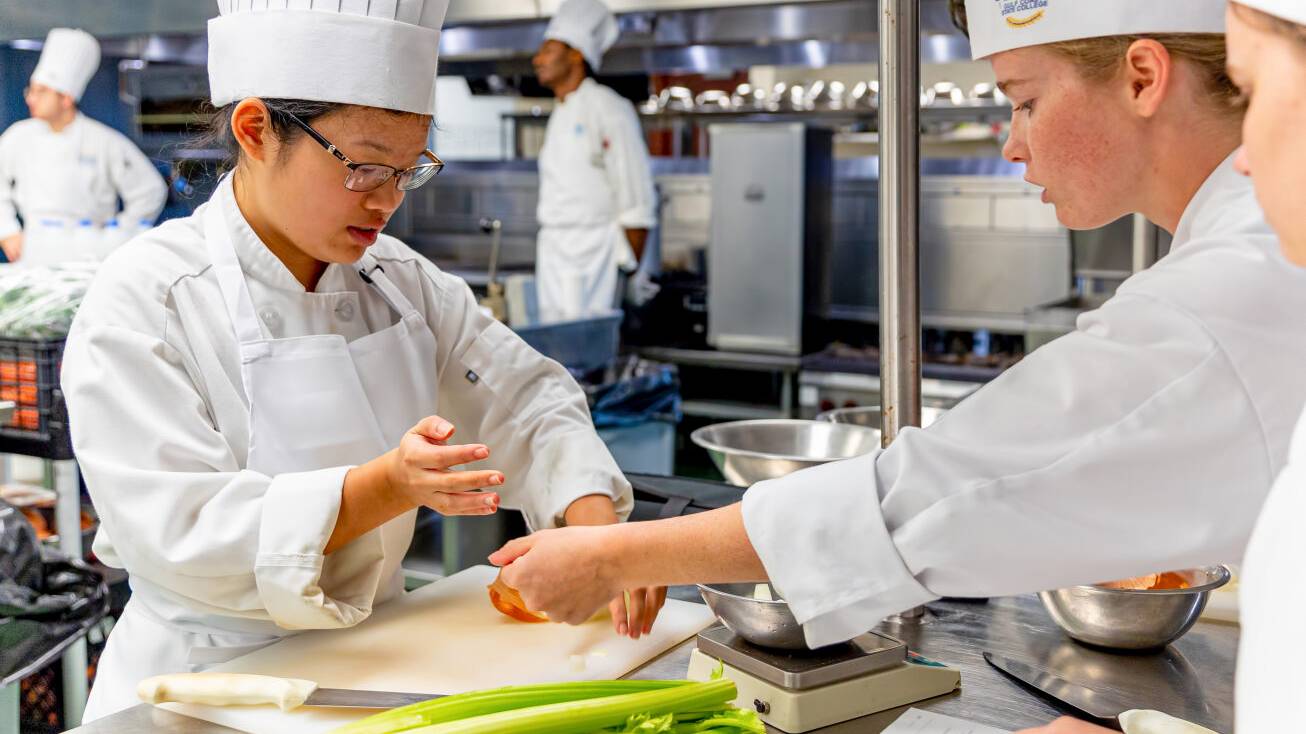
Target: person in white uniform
[[597, 203], [1267, 60], [1145, 440], [59, 169], [263, 393]]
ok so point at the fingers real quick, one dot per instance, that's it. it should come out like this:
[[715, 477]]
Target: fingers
[[421, 454], [659, 596], [513, 550], [617, 607], [643, 607], [434, 428], [464, 503]]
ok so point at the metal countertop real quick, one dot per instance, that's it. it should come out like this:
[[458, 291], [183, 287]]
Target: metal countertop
[[1191, 679]]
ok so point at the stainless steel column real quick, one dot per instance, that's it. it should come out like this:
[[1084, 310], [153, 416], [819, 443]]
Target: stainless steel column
[[900, 304]]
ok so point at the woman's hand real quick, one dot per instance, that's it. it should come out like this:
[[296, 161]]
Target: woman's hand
[[420, 471], [1067, 725], [567, 573], [634, 620], [634, 610]]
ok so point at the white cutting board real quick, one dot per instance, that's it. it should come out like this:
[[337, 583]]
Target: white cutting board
[[442, 638]]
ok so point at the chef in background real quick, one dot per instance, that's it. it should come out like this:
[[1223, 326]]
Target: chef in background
[[61, 171], [596, 192]]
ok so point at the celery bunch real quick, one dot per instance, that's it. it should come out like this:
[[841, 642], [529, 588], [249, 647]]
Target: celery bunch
[[586, 707]]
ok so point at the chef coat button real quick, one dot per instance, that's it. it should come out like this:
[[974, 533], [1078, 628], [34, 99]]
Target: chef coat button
[[270, 317], [345, 311]]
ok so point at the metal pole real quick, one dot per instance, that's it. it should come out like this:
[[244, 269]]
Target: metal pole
[[900, 308], [1143, 244], [68, 521]]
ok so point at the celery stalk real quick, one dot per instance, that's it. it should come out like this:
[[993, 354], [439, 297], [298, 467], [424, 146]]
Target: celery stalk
[[587, 716], [480, 703]]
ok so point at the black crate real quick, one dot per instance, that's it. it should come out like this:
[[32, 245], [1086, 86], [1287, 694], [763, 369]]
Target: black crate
[[29, 375]]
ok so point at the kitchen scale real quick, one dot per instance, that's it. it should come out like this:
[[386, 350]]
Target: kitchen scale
[[798, 691]]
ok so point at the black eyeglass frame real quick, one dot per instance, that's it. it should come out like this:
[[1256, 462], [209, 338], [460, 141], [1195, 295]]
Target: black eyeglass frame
[[436, 165]]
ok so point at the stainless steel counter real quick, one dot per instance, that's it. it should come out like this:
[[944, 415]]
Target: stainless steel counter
[[1192, 679]]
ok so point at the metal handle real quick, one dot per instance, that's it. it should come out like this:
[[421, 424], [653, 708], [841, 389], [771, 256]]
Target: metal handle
[[226, 689], [493, 227]]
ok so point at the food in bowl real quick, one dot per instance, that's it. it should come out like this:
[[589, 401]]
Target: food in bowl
[[1150, 582]]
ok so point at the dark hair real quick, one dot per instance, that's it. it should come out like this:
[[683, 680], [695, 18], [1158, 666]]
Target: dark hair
[[1273, 23], [216, 132]]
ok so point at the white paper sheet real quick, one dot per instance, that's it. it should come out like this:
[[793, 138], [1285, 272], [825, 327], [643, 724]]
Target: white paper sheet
[[916, 721]]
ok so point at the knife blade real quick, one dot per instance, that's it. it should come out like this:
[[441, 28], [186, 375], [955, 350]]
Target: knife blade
[[244, 689], [1087, 702]]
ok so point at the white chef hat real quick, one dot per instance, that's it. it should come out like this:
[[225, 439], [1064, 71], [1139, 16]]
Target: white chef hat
[[585, 25], [1002, 25], [68, 61], [377, 53], [1293, 10]]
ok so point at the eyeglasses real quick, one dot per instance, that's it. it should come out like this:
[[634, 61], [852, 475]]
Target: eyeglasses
[[364, 177]]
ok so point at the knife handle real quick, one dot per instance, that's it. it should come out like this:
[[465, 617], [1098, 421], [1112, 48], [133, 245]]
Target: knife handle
[[225, 689]]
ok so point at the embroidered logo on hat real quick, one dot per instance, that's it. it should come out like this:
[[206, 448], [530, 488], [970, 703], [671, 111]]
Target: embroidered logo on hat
[[1023, 13]]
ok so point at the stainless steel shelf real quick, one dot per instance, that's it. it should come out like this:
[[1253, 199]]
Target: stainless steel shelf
[[727, 410]]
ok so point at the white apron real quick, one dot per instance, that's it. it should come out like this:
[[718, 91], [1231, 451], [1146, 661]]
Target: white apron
[[577, 270], [315, 402], [52, 240]]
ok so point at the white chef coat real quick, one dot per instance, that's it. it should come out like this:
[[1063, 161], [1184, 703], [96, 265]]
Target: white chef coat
[[1271, 599], [153, 382], [55, 180], [1145, 440], [594, 184]]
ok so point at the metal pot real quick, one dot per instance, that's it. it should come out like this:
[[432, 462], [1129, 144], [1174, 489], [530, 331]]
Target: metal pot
[[748, 452]]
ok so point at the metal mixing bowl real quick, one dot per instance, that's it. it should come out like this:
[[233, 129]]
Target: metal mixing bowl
[[761, 622], [747, 452], [869, 416], [1129, 619]]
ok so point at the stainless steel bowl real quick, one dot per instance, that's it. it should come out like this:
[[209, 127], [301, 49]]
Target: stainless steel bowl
[[1128, 619], [748, 452], [761, 622], [869, 416]]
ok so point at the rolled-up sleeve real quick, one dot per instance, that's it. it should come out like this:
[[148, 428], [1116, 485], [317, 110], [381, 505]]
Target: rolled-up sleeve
[[526, 408], [178, 510], [1127, 447]]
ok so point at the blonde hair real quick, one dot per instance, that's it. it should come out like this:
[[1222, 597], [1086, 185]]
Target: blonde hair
[[1100, 59]]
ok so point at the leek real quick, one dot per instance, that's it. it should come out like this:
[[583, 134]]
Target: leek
[[480, 703], [592, 715]]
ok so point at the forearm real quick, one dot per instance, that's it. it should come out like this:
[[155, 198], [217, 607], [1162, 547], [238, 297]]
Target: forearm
[[367, 501], [637, 238], [594, 509], [707, 547]]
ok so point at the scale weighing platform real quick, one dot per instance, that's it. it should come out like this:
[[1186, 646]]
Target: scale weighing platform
[[798, 691]]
